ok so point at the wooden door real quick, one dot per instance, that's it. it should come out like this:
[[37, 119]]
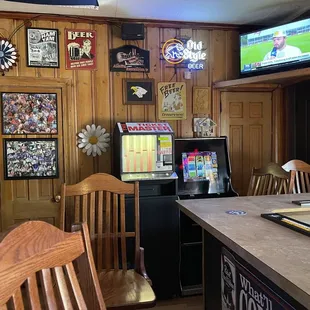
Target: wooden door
[[31, 199], [246, 120]]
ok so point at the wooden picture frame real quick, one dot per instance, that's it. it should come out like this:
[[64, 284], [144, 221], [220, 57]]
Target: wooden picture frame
[[202, 100], [27, 158], [42, 47], [138, 91], [29, 113]]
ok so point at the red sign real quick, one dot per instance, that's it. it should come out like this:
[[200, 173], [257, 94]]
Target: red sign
[[80, 49], [144, 127]]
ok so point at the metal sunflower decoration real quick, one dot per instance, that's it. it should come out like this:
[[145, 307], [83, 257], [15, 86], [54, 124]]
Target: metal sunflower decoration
[[8, 55]]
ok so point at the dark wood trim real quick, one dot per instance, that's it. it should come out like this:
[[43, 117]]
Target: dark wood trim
[[278, 78], [112, 20]]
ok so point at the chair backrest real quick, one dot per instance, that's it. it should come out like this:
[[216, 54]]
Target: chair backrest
[[269, 180], [37, 271], [299, 181], [99, 200]]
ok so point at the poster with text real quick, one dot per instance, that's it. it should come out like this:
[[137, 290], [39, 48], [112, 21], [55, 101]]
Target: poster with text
[[172, 100], [42, 48], [241, 289], [80, 49]]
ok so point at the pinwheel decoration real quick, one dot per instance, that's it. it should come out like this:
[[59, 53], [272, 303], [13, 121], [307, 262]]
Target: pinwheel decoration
[[8, 55]]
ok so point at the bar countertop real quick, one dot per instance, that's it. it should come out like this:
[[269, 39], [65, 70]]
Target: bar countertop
[[279, 253]]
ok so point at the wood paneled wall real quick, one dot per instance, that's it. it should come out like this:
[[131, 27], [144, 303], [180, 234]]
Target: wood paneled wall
[[97, 95]]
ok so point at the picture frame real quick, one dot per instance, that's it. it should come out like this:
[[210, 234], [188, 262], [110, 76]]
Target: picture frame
[[202, 100], [29, 113], [27, 158], [139, 91], [42, 47]]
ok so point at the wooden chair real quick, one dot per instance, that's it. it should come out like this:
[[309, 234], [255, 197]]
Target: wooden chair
[[299, 180], [37, 271], [99, 200], [269, 180]]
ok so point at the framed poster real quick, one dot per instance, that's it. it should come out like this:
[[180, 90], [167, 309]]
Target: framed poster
[[80, 49], [29, 113], [129, 58], [27, 158], [171, 100], [42, 47], [138, 91], [201, 100]]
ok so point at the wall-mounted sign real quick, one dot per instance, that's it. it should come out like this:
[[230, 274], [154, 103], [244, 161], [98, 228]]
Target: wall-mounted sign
[[241, 289], [80, 49], [129, 58], [144, 127], [176, 51], [171, 100]]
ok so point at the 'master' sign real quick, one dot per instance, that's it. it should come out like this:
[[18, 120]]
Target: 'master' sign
[[175, 51]]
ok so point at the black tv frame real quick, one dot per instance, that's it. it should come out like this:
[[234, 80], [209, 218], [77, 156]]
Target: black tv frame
[[274, 69]]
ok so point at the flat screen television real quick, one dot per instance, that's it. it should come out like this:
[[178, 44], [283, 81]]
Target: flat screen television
[[275, 49]]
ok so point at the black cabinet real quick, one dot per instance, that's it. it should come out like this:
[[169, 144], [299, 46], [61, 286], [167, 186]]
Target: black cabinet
[[298, 121], [190, 256], [213, 183], [159, 229]]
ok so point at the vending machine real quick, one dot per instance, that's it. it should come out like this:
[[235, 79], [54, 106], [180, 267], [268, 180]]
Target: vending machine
[[144, 152], [203, 169]]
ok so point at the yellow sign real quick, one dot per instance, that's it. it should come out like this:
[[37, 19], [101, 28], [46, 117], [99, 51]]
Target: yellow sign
[[172, 100]]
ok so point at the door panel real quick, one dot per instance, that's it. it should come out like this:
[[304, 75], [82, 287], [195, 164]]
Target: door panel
[[23, 200], [246, 120]]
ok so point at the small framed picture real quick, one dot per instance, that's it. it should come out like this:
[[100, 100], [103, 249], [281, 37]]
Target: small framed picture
[[29, 113], [138, 91], [30, 158], [42, 47]]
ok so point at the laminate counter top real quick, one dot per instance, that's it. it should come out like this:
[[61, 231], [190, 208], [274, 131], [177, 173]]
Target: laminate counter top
[[279, 253]]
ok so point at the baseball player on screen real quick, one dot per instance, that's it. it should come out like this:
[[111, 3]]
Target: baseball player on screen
[[280, 48]]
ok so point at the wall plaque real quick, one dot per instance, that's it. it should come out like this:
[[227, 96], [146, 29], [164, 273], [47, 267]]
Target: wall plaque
[[129, 58]]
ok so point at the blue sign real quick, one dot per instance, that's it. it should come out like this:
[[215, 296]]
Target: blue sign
[[236, 212]]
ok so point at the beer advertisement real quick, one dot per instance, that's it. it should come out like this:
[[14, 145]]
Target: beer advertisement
[[171, 100], [242, 290], [80, 49]]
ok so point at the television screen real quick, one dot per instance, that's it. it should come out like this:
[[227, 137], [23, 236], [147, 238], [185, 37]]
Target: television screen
[[202, 165], [276, 48]]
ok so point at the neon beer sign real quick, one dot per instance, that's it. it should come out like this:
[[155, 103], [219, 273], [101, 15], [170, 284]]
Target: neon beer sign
[[175, 51]]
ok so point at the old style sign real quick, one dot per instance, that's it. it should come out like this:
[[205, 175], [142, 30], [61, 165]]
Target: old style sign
[[129, 58], [80, 49], [176, 51]]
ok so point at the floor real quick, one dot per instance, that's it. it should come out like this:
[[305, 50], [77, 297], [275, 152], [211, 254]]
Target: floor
[[186, 303]]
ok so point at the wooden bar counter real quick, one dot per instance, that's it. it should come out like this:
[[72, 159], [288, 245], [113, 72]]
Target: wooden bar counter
[[276, 257]]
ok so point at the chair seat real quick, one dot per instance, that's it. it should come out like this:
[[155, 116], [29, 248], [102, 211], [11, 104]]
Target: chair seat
[[126, 289]]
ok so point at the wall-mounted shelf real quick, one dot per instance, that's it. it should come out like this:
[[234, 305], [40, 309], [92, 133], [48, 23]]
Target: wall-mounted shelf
[[268, 80]]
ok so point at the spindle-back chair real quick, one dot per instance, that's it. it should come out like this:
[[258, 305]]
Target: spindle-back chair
[[99, 200], [37, 270], [269, 180]]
